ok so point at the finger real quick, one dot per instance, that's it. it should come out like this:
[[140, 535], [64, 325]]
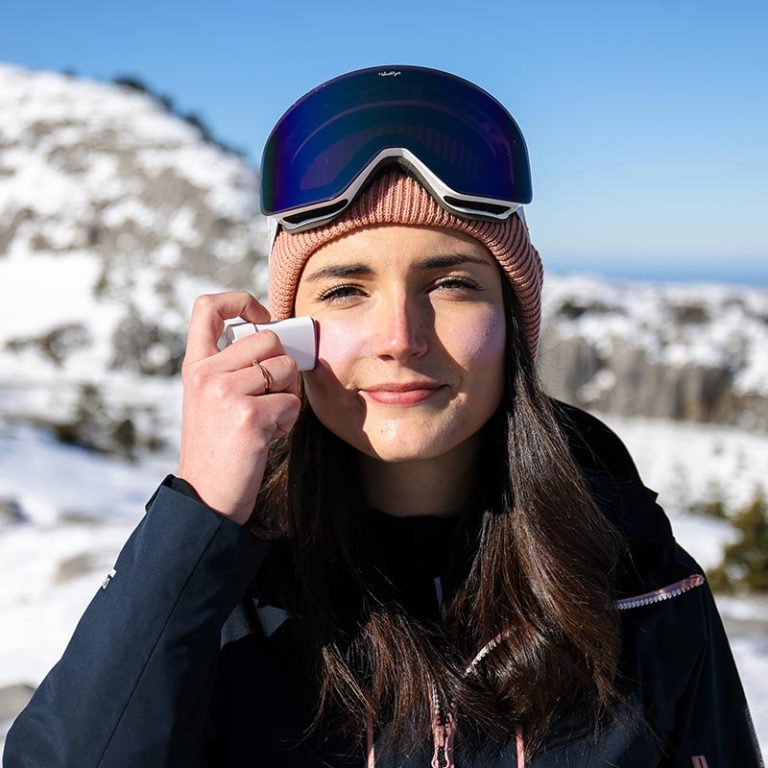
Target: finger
[[257, 346], [208, 315], [281, 371]]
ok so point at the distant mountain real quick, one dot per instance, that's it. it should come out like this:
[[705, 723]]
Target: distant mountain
[[115, 213]]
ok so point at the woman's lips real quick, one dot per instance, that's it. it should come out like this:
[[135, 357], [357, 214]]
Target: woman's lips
[[399, 395]]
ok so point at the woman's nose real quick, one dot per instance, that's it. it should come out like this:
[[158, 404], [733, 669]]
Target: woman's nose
[[402, 328]]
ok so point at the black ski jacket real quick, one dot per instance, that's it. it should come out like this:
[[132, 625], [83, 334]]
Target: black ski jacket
[[180, 661]]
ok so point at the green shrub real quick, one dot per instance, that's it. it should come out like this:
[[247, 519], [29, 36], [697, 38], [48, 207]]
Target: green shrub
[[712, 505], [745, 562]]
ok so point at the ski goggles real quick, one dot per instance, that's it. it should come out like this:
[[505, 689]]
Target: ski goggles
[[459, 141]]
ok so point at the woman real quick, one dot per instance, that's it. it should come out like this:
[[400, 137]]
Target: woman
[[410, 555]]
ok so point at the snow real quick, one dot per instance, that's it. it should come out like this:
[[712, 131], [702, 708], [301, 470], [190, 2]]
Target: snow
[[691, 462], [83, 152], [751, 656], [48, 479], [46, 97], [32, 306]]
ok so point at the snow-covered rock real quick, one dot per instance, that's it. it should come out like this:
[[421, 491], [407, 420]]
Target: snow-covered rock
[[114, 215], [691, 352]]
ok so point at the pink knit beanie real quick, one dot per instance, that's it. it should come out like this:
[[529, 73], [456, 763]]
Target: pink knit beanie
[[394, 197]]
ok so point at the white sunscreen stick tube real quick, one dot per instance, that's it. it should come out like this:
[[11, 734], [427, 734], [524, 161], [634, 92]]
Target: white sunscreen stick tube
[[297, 334]]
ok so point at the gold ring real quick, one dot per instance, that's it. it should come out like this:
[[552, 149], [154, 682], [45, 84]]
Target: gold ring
[[266, 374]]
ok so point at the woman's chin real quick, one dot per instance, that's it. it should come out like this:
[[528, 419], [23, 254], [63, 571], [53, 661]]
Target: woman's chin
[[397, 456], [408, 449]]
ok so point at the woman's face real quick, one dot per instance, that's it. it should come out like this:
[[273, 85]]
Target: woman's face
[[412, 339]]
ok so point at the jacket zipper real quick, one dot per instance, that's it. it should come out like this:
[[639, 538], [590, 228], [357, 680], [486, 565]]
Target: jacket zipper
[[443, 732], [443, 723], [671, 590]]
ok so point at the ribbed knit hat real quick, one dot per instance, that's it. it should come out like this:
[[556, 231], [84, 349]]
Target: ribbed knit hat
[[394, 197]]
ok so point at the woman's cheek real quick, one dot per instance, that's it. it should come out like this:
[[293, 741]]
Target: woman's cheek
[[341, 344], [479, 343], [331, 387]]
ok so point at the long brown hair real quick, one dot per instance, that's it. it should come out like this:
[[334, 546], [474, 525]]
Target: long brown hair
[[538, 561]]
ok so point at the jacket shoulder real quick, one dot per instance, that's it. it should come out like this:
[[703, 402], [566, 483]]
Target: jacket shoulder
[[615, 482], [595, 446]]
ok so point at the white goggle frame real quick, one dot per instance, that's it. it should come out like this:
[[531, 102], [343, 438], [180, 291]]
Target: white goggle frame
[[437, 188]]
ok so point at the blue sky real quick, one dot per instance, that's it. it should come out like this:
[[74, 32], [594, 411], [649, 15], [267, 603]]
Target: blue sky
[[647, 123]]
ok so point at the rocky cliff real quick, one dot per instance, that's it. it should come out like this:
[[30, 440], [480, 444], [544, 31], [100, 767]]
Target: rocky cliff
[[688, 352]]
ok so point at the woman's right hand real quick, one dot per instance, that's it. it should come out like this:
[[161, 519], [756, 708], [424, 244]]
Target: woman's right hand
[[228, 421]]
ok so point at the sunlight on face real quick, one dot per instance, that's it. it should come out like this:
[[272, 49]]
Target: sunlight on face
[[412, 339]]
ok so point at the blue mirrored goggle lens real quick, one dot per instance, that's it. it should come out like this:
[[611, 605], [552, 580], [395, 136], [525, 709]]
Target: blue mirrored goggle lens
[[461, 133]]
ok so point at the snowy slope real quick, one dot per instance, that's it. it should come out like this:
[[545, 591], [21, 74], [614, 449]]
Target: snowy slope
[[114, 215], [111, 209]]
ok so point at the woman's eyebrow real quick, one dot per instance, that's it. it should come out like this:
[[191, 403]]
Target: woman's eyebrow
[[338, 271], [450, 260]]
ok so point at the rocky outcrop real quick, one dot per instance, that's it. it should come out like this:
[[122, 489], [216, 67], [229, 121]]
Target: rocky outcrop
[[693, 353]]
